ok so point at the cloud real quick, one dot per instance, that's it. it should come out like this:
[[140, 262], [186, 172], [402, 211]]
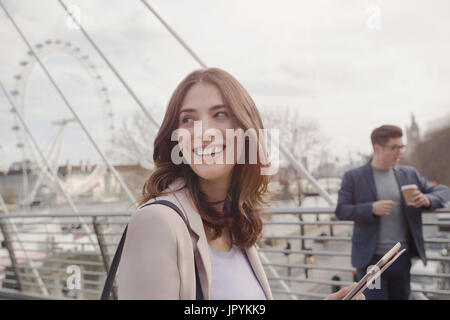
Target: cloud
[[319, 56]]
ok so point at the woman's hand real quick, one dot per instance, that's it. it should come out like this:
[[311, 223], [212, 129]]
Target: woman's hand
[[343, 292]]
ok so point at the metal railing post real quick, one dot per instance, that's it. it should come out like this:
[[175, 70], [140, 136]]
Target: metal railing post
[[265, 260], [103, 249], [12, 255]]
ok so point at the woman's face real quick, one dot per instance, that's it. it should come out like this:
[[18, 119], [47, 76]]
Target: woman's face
[[206, 149]]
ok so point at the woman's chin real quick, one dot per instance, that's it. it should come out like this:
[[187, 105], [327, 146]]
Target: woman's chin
[[212, 171]]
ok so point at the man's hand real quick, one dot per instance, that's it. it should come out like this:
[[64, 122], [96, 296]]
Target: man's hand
[[420, 200], [382, 207], [343, 292]]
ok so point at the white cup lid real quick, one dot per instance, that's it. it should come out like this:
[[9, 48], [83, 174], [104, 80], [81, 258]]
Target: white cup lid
[[409, 186]]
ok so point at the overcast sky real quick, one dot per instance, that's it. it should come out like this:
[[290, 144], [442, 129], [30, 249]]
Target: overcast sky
[[351, 65]]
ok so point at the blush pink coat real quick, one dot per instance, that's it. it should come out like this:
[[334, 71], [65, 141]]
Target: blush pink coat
[[158, 255]]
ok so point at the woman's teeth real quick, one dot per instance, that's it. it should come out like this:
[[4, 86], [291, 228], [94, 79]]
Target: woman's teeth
[[209, 151]]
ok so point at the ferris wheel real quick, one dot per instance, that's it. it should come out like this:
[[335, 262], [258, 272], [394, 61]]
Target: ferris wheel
[[18, 94]]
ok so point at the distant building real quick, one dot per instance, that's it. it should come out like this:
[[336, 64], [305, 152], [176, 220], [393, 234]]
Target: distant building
[[19, 166], [356, 160], [328, 170], [412, 135], [95, 182]]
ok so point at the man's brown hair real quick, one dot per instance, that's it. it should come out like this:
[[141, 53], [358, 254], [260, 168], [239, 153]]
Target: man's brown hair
[[382, 134]]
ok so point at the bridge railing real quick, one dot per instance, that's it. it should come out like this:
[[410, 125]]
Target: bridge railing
[[314, 255], [305, 251], [59, 254]]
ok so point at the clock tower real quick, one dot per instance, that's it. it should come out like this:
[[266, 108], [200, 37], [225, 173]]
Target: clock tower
[[412, 135]]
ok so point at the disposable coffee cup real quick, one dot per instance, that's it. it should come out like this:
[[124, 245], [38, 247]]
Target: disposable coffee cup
[[408, 191]]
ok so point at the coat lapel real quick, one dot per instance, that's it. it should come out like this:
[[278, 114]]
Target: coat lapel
[[200, 243], [368, 174], [400, 181], [255, 262], [400, 177]]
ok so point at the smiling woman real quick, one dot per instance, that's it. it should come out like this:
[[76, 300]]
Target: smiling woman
[[219, 101], [221, 201]]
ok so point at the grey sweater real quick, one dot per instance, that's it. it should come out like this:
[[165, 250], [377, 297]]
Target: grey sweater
[[394, 227]]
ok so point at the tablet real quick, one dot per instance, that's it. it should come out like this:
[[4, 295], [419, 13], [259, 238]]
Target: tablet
[[375, 271]]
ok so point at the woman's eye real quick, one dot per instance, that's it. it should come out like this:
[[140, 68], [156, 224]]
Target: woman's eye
[[186, 119], [222, 114]]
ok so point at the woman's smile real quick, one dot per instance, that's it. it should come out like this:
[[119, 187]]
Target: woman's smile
[[210, 152]]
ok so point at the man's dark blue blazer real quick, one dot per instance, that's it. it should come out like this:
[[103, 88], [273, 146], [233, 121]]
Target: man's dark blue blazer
[[356, 196]]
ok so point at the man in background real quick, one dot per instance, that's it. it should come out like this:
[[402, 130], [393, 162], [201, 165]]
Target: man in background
[[371, 196]]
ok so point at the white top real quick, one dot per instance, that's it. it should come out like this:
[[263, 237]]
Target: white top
[[233, 277]]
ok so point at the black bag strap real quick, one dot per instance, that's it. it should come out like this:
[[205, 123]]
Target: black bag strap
[[115, 263]]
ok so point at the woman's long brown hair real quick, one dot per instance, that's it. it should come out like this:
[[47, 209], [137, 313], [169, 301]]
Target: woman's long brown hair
[[245, 195]]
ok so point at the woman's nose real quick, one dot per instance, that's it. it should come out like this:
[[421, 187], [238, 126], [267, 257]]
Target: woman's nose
[[203, 128], [199, 128]]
